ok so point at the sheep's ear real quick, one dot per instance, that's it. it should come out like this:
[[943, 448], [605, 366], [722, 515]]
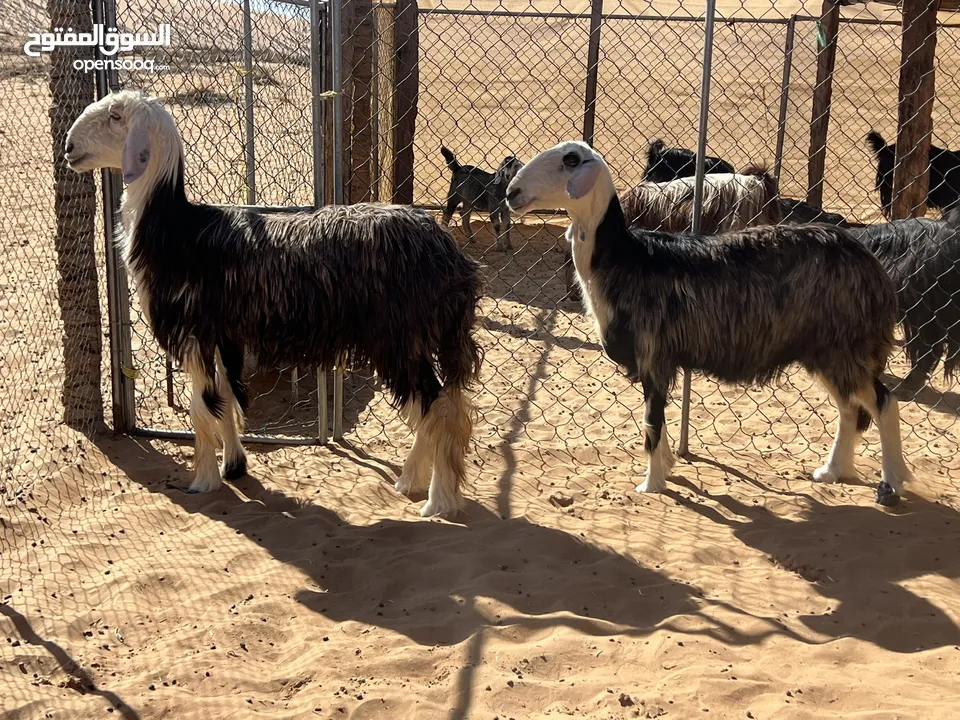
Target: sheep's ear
[[583, 179], [136, 152]]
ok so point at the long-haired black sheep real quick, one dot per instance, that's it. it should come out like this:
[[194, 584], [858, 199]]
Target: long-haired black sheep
[[383, 286], [922, 257], [944, 191], [740, 307]]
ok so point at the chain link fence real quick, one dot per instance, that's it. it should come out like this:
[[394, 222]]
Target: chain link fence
[[251, 87]]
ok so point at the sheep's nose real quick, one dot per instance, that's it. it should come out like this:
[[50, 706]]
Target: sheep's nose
[[513, 194], [69, 146]]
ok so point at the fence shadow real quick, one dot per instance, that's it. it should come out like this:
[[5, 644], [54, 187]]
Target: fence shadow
[[429, 580], [78, 678], [873, 602], [593, 589]]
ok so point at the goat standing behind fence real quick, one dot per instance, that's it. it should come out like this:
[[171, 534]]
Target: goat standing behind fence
[[376, 285], [474, 189], [740, 307]]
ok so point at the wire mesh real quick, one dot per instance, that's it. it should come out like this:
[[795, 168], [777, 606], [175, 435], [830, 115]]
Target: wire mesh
[[494, 80]]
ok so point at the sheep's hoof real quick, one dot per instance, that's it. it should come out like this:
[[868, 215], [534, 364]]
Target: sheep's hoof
[[886, 495], [825, 475], [652, 486], [829, 476], [409, 484], [445, 507], [204, 485], [235, 469]]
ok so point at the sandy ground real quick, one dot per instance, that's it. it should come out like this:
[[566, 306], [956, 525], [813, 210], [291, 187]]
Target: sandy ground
[[312, 589]]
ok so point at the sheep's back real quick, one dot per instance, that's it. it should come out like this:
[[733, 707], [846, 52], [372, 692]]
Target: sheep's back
[[743, 306], [352, 284]]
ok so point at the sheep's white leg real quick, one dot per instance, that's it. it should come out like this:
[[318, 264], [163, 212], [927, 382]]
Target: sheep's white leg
[[205, 423], [667, 458], [415, 476], [448, 426], [882, 405], [231, 425], [659, 461], [840, 464]]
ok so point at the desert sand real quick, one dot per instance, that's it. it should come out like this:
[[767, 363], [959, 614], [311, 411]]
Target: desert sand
[[311, 588]]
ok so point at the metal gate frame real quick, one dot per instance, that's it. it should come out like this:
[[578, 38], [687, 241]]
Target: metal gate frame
[[324, 18]]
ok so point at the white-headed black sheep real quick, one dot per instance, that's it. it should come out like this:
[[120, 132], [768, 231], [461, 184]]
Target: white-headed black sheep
[[376, 285], [740, 307]]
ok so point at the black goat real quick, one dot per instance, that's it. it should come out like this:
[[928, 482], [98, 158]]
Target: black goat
[[798, 212], [944, 192], [672, 163], [476, 189]]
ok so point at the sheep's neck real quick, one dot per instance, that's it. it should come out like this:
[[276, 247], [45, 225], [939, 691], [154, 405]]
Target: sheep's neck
[[155, 200], [589, 235], [595, 230]]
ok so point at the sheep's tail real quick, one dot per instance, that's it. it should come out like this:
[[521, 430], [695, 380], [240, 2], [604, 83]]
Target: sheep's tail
[[762, 172], [876, 142], [451, 159], [655, 151], [449, 422], [769, 211]]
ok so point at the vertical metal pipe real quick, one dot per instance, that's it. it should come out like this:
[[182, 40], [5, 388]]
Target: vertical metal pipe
[[168, 372], [593, 62], [784, 94], [375, 107], [114, 324], [336, 54], [698, 190], [323, 422], [316, 114], [338, 404], [250, 156], [118, 294]]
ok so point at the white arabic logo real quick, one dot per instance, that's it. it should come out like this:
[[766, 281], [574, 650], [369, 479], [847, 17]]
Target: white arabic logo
[[109, 42]]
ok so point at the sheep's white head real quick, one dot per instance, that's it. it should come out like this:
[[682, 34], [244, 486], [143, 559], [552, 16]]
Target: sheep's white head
[[570, 176], [114, 132]]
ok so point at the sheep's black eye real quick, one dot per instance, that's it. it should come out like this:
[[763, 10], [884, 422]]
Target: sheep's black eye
[[116, 117], [571, 160]]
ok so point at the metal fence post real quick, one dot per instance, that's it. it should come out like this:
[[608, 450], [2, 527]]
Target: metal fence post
[[249, 155], [683, 445], [375, 106], [122, 373], [784, 94], [316, 115], [336, 55], [593, 63]]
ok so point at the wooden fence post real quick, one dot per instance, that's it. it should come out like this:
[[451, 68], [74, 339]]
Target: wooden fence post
[[75, 205], [405, 97], [911, 175], [822, 95]]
